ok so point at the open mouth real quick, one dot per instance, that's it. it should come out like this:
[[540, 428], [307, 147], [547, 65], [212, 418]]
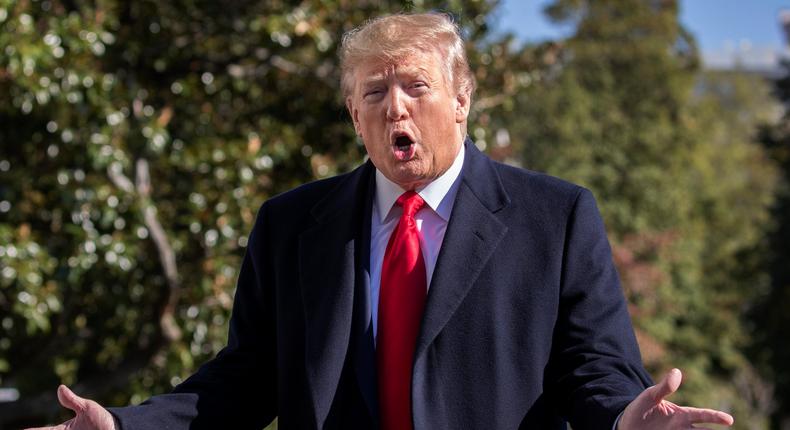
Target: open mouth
[[403, 147]]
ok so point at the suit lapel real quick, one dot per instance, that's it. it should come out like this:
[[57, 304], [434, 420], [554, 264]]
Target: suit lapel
[[328, 273], [474, 231], [334, 256], [364, 352]]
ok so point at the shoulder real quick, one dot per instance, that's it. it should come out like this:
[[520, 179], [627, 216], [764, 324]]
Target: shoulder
[[547, 194], [305, 196], [295, 208], [314, 201]]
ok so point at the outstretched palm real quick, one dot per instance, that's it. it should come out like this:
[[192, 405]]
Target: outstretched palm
[[90, 415], [650, 410]]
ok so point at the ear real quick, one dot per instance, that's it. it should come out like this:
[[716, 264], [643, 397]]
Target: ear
[[462, 102], [354, 114]]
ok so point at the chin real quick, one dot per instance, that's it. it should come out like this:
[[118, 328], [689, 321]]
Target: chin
[[412, 181]]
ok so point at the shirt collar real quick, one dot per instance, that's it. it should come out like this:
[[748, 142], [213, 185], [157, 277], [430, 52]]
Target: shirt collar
[[434, 194]]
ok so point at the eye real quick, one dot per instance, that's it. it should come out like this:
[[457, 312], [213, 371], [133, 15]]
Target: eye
[[373, 93], [417, 88]]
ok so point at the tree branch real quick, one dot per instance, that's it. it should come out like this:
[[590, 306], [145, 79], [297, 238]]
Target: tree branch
[[45, 404], [167, 257]]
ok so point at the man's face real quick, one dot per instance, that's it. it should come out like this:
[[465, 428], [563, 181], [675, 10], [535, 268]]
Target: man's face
[[409, 117]]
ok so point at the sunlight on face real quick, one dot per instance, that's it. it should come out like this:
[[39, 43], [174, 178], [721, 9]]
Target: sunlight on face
[[409, 117]]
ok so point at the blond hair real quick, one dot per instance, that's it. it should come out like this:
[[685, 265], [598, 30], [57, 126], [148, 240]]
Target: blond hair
[[393, 37]]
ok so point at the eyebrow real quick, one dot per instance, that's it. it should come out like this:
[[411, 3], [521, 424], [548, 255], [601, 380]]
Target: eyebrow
[[412, 72], [373, 80]]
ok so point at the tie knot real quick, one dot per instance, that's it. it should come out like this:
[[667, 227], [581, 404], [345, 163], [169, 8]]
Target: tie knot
[[411, 203]]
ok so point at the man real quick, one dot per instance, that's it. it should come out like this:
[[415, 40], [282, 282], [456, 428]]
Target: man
[[431, 288]]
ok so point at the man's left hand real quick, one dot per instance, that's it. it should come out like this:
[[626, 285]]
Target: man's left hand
[[650, 411]]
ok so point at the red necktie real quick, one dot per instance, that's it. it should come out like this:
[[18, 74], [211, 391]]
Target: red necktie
[[401, 302]]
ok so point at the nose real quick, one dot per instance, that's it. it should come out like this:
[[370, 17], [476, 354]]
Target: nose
[[396, 107]]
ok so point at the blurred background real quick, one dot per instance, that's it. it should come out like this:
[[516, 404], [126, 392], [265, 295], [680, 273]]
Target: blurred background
[[138, 139]]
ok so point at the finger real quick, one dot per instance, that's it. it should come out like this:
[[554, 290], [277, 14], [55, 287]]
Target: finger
[[70, 400], [708, 416], [667, 386]]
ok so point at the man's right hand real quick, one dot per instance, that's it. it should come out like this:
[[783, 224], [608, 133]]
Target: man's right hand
[[90, 415]]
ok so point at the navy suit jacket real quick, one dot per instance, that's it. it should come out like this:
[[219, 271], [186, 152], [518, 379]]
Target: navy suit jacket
[[525, 324]]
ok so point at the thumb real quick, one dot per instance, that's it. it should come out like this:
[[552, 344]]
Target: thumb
[[68, 399], [667, 386]]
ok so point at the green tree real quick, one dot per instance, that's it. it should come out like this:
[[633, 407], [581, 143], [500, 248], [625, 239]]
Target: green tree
[[143, 136], [670, 151], [770, 314], [138, 140]]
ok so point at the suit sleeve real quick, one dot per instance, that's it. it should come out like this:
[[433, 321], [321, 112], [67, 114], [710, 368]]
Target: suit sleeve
[[596, 366], [237, 389]]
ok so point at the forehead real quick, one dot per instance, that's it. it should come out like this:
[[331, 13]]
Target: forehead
[[415, 63]]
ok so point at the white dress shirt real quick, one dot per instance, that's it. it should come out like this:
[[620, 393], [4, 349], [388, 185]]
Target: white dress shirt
[[432, 219]]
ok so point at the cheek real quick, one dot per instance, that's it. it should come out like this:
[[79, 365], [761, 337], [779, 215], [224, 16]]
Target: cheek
[[435, 120], [368, 121]]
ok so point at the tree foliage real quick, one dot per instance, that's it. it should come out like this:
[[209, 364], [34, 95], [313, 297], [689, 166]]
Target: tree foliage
[[770, 350], [139, 138], [669, 151]]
